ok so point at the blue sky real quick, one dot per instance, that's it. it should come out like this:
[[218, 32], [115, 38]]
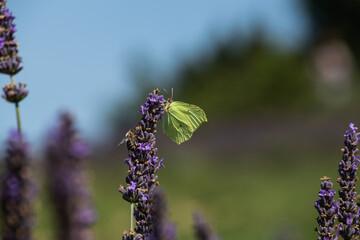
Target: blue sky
[[76, 53]]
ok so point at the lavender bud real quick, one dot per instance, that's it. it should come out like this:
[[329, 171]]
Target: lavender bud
[[327, 208], [68, 182], [348, 210], [9, 59], [162, 228], [143, 165], [132, 235], [18, 192], [14, 94], [202, 229]]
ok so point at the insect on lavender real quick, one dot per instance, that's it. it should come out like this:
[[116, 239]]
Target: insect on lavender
[[181, 120], [143, 165]]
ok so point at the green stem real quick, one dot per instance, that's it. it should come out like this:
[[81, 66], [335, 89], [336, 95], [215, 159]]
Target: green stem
[[17, 113], [18, 120], [132, 217]]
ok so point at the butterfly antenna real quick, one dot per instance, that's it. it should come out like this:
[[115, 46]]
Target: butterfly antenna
[[172, 93], [165, 91], [170, 98]]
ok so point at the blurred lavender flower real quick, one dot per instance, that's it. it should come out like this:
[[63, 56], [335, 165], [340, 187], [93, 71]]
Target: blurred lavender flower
[[68, 182], [202, 229], [9, 59], [327, 208], [162, 228], [17, 192], [143, 164], [14, 94], [348, 210], [286, 231]]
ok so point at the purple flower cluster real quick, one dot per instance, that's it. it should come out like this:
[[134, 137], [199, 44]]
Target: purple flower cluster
[[143, 165], [17, 192], [9, 59], [327, 208], [162, 228], [68, 182], [14, 94], [348, 211], [202, 229]]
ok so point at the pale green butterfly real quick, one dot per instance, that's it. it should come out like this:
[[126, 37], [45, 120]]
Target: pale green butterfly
[[181, 120]]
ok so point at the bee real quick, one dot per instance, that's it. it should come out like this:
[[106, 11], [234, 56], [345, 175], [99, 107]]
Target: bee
[[130, 139]]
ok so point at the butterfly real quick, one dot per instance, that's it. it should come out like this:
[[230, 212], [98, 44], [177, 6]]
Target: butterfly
[[181, 120]]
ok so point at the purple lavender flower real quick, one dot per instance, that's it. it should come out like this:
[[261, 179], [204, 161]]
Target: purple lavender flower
[[9, 59], [162, 228], [143, 165], [348, 210], [14, 94], [17, 192], [327, 208], [68, 182], [202, 229]]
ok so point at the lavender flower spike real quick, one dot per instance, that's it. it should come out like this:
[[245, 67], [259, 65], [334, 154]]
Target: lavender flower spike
[[348, 217], [202, 229], [143, 165], [327, 208], [9, 59], [68, 182], [162, 228], [17, 192]]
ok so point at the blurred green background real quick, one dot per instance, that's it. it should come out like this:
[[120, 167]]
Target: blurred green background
[[276, 115]]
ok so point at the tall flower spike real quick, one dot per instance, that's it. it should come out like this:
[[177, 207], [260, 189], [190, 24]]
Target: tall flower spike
[[9, 59], [348, 210], [68, 182], [327, 208], [18, 192], [202, 229], [143, 165], [162, 228]]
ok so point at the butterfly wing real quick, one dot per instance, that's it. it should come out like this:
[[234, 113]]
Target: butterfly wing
[[181, 120], [194, 114], [176, 128]]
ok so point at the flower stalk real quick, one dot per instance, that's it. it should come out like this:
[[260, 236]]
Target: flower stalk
[[132, 216], [162, 228], [143, 165], [10, 62], [18, 192], [328, 209], [68, 182], [348, 210], [17, 112], [202, 229]]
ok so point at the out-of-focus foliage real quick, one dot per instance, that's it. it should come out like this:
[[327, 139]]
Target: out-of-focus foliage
[[263, 189], [235, 77], [246, 77], [333, 18], [144, 79]]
